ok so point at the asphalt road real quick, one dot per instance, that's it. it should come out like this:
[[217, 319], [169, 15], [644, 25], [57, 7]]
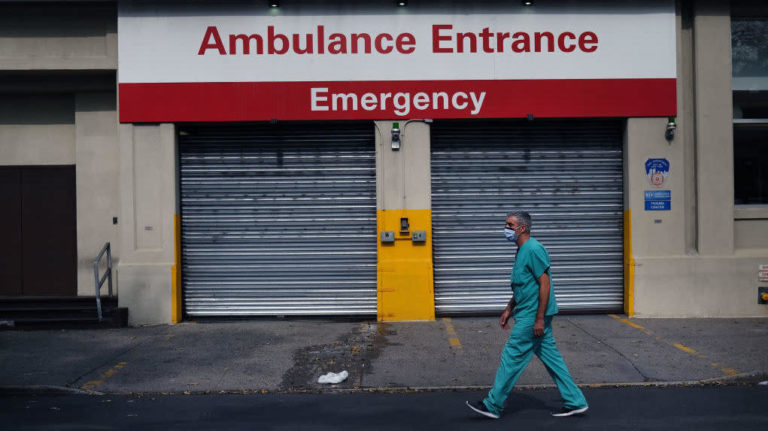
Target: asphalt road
[[630, 408]]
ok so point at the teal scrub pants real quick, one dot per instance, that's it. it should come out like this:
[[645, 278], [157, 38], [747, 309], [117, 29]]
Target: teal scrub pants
[[522, 344]]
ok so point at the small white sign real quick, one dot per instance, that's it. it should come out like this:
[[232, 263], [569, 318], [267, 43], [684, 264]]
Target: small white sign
[[762, 273]]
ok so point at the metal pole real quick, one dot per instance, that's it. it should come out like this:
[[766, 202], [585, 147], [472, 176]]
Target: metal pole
[[109, 267], [98, 286]]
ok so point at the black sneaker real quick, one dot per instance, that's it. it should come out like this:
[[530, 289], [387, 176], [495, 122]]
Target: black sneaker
[[479, 407], [569, 412]]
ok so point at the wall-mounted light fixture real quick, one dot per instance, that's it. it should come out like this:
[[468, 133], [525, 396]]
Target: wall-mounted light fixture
[[669, 132], [527, 2], [274, 3], [401, 3], [395, 136]]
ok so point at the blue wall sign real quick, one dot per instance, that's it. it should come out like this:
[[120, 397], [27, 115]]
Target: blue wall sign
[[658, 200]]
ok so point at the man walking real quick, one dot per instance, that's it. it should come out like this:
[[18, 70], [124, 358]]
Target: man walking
[[533, 304]]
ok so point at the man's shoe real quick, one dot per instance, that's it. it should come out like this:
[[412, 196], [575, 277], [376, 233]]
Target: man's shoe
[[569, 412], [479, 407]]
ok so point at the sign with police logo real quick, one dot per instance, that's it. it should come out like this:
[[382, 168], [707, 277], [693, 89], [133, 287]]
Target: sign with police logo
[[657, 171]]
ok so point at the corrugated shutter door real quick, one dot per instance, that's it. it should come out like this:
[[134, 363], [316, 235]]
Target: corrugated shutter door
[[278, 219], [567, 174]]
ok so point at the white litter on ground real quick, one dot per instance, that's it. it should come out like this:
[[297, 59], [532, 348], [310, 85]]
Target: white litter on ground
[[765, 383], [333, 377]]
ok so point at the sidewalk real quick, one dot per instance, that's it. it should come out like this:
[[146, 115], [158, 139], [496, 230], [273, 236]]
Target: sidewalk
[[286, 355]]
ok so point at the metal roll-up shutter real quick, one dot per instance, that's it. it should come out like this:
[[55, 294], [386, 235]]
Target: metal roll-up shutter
[[278, 219], [566, 174]]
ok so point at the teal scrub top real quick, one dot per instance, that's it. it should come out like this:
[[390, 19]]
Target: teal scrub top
[[531, 262]]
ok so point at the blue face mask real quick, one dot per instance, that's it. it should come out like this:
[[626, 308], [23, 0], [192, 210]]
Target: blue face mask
[[510, 234]]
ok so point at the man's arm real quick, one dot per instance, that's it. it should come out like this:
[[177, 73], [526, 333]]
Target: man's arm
[[538, 326], [504, 319]]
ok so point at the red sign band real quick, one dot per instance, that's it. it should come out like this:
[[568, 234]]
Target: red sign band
[[356, 100]]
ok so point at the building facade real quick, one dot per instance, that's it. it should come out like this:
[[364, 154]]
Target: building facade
[[314, 158]]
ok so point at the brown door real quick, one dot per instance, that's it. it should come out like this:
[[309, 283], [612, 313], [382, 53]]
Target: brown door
[[46, 250], [10, 231]]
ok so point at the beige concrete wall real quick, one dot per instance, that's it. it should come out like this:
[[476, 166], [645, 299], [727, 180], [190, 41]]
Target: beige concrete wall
[[70, 129], [655, 233], [751, 234], [685, 120], [58, 37], [37, 129], [701, 260], [97, 174], [714, 126], [148, 206], [403, 179], [145, 289], [405, 285], [698, 286], [751, 228]]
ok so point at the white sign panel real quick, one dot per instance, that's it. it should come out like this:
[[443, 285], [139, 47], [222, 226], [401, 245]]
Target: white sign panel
[[613, 60]]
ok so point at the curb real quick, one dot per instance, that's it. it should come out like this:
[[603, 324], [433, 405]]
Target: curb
[[44, 390], [736, 380]]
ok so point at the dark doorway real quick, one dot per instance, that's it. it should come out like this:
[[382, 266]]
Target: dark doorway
[[38, 253]]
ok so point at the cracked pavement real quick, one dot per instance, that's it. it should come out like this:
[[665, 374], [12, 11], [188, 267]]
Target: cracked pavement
[[288, 355]]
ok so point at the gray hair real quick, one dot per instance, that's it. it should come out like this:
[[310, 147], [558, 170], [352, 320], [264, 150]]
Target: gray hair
[[523, 219]]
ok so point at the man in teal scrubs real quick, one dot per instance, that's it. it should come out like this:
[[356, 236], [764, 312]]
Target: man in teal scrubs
[[533, 305]]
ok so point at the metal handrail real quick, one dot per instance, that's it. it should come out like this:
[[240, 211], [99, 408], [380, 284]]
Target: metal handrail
[[107, 276]]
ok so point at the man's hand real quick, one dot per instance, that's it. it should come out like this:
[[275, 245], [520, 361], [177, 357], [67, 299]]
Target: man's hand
[[544, 286], [504, 319]]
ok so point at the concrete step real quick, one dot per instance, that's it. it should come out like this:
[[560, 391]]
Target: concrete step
[[60, 312]]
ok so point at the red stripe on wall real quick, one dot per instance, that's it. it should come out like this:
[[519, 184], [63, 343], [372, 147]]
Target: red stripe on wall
[[261, 101]]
